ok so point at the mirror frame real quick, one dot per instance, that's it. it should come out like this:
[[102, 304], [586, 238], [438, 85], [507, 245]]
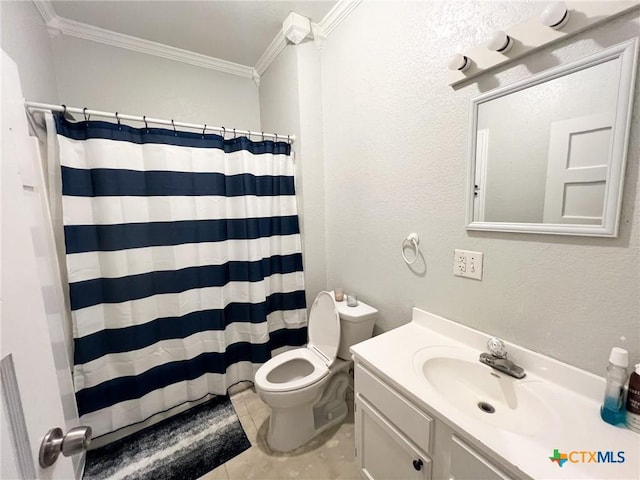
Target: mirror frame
[[628, 53]]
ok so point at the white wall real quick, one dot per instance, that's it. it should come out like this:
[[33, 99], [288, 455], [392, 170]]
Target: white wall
[[395, 143], [26, 41], [291, 102], [102, 77]]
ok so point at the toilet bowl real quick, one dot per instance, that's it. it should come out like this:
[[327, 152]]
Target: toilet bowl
[[306, 387]]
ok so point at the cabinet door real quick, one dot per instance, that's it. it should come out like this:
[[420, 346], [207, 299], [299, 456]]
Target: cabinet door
[[468, 464], [383, 452]]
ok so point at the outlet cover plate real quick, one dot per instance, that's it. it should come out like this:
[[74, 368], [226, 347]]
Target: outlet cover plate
[[467, 264]]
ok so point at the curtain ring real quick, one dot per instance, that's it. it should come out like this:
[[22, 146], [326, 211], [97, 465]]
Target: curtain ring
[[118, 118], [224, 132], [276, 137], [144, 119], [173, 124], [289, 139], [234, 133], [263, 136], [205, 127], [84, 112], [64, 109]]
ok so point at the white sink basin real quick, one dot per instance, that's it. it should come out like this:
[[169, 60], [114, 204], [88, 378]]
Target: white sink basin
[[456, 375]]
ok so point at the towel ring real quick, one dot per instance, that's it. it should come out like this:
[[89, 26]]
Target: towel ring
[[84, 112], [412, 240]]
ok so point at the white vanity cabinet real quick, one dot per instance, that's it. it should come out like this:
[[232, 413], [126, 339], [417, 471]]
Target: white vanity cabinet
[[396, 439], [420, 394], [468, 464], [393, 437], [383, 451]]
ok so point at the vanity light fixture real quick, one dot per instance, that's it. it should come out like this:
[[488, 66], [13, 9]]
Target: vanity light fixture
[[559, 20], [556, 15], [459, 62], [500, 42]]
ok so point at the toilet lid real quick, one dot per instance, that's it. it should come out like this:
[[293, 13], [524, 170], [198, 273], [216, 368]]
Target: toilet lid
[[324, 327]]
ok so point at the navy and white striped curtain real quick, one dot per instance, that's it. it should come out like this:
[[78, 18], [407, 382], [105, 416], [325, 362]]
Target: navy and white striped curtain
[[184, 261]]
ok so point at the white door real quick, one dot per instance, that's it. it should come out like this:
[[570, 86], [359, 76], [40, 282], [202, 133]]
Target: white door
[[480, 182], [36, 379], [579, 152]]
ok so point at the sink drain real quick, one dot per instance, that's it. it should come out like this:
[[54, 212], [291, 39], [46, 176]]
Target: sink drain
[[486, 407]]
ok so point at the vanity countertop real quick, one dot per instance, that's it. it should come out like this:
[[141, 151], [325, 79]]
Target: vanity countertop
[[572, 397]]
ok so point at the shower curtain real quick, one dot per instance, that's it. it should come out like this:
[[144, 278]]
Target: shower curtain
[[184, 262]]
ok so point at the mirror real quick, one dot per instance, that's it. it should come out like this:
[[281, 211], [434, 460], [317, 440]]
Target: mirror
[[547, 154]]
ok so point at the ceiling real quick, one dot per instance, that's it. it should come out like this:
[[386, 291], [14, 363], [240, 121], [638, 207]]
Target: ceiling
[[233, 30]]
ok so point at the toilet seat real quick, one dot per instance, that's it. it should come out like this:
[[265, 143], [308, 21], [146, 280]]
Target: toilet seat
[[320, 370], [324, 327], [320, 353]]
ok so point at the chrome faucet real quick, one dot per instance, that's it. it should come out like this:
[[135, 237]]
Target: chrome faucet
[[497, 358]]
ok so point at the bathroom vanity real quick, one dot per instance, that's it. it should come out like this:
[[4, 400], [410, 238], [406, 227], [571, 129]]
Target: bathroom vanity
[[426, 408]]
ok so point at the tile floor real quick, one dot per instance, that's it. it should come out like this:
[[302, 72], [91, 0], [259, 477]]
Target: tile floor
[[330, 455]]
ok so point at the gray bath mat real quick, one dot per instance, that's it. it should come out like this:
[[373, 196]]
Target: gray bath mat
[[183, 447]]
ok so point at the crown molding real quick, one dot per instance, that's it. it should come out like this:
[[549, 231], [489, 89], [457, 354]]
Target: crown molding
[[45, 8], [336, 15], [341, 10], [107, 37], [271, 53], [57, 25]]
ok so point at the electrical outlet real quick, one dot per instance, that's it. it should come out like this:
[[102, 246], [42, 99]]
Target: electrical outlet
[[467, 264]]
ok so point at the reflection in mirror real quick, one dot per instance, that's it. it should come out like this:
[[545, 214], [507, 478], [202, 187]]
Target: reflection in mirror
[[547, 154]]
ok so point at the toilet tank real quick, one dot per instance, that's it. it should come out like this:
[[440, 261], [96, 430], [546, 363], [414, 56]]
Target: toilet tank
[[356, 325]]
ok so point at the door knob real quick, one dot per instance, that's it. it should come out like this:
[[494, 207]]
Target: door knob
[[54, 443]]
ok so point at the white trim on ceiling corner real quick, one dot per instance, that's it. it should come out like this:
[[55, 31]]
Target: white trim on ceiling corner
[[46, 10], [331, 20], [108, 37], [341, 10], [128, 42], [337, 14], [271, 53]]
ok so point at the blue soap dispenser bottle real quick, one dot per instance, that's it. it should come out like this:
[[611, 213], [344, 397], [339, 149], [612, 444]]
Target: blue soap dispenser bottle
[[613, 410]]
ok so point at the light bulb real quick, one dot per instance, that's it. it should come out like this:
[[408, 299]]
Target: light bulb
[[459, 62], [500, 42], [556, 15]]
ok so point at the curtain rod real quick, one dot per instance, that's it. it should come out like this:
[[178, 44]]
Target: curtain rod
[[35, 106]]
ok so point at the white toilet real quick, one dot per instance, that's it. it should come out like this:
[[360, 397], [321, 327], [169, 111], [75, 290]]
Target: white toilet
[[306, 387]]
